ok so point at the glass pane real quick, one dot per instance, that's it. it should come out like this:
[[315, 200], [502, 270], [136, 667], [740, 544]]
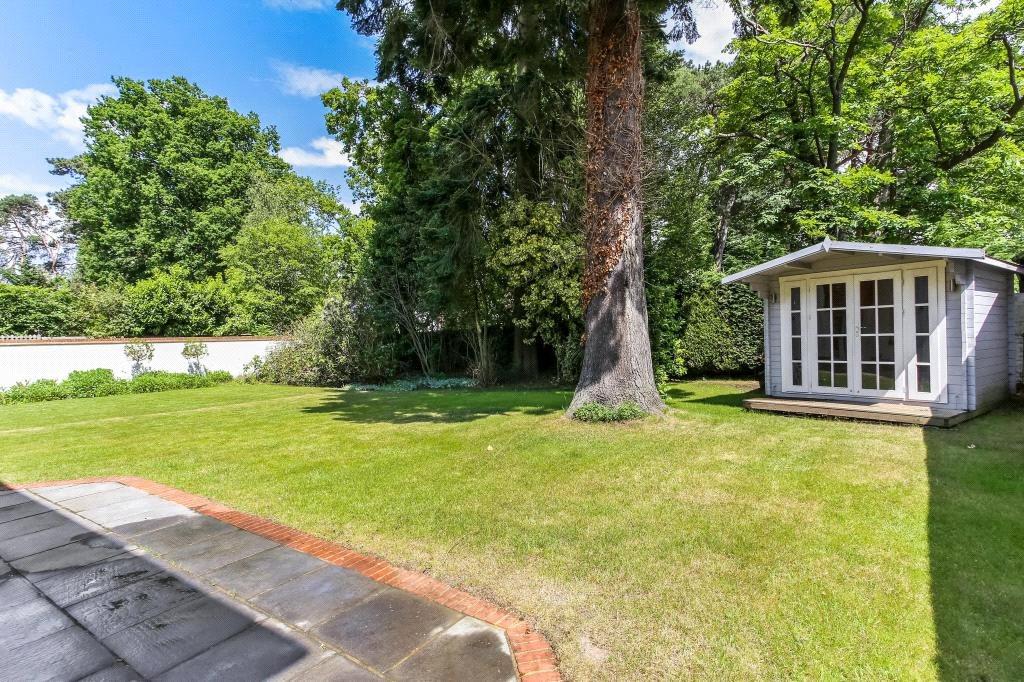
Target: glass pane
[[921, 319], [924, 350], [794, 323], [841, 380], [868, 378], [839, 295], [921, 289], [797, 354], [886, 348], [924, 378], [867, 292], [794, 298], [885, 320], [885, 292], [887, 377], [798, 377], [823, 298], [824, 351], [824, 374], [867, 348], [838, 347], [839, 321], [823, 318], [867, 321]]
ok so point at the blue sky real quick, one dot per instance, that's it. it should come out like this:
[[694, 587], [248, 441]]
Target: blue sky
[[272, 57]]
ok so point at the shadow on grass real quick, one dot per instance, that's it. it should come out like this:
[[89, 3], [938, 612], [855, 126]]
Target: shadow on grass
[[730, 399], [451, 407], [976, 546]]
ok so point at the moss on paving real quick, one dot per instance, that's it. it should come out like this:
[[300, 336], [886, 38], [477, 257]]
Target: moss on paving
[[711, 543]]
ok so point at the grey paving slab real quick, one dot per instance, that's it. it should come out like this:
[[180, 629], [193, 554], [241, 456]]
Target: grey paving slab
[[40, 541], [5, 568], [21, 510], [313, 598], [131, 529], [76, 584], [11, 497], [264, 651], [164, 641], [116, 610], [59, 493], [29, 621], [105, 498], [468, 650], [69, 654], [189, 531], [337, 667], [386, 628], [31, 524], [209, 555], [15, 590], [119, 672], [140, 509], [263, 571], [74, 555]]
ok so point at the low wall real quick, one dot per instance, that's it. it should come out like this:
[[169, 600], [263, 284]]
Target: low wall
[[26, 360], [1016, 341]]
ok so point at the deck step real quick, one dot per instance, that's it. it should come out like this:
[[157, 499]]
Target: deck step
[[875, 412]]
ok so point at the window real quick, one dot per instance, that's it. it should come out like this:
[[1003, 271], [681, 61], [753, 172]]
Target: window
[[796, 336], [831, 336], [877, 310], [922, 335]]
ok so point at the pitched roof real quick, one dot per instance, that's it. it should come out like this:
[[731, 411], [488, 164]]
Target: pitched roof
[[829, 246]]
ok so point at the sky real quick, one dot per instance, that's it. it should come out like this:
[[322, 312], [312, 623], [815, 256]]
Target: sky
[[271, 57]]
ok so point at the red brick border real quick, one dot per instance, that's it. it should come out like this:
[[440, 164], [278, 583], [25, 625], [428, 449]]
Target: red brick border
[[534, 657]]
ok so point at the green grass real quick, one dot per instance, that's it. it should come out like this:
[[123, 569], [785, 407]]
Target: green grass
[[713, 543]]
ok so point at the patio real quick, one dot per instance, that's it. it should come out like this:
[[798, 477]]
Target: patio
[[105, 579]]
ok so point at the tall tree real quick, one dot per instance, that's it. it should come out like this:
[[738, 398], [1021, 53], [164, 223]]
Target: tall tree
[[599, 42], [33, 242], [164, 180]]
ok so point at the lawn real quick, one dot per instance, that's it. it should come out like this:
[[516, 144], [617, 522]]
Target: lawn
[[711, 543]]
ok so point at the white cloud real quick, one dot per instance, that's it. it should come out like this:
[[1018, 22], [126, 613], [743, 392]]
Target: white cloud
[[299, 5], [305, 81], [19, 184], [58, 114], [326, 153], [714, 22]]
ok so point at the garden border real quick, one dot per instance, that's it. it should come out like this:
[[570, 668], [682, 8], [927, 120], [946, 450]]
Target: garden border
[[535, 659]]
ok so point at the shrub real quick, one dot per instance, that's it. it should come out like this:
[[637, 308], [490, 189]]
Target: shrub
[[596, 412], [139, 353], [194, 352], [430, 383], [49, 311], [91, 383], [153, 382], [36, 392], [100, 382], [723, 332]]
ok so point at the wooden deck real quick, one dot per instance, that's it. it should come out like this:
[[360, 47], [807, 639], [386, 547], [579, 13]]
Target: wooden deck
[[864, 411]]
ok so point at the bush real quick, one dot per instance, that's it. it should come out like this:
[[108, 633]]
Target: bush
[[100, 382], [596, 412], [50, 311], [154, 382], [430, 383], [724, 332], [91, 383]]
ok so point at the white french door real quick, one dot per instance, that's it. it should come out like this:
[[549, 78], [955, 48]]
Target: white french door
[[875, 333]]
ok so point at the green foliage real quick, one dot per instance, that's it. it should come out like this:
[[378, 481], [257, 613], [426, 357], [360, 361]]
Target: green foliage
[[45, 310], [195, 351], [596, 412], [420, 383], [101, 382], [724, 331], [170, 303], [164, 180]]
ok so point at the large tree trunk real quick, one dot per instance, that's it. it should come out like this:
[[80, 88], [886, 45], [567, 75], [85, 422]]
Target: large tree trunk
[[617, 363]]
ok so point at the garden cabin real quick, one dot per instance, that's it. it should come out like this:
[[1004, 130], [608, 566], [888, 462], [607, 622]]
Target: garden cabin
[[890, 332]]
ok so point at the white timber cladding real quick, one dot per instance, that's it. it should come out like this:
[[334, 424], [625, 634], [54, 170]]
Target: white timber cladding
[[31, 360], [992, 291], [901, 355], [1016, 343]]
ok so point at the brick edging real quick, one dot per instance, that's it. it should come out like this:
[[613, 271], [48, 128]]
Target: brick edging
[[535, 659]]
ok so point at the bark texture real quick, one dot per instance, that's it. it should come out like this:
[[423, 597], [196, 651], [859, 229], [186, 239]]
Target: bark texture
[[617, 364]]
